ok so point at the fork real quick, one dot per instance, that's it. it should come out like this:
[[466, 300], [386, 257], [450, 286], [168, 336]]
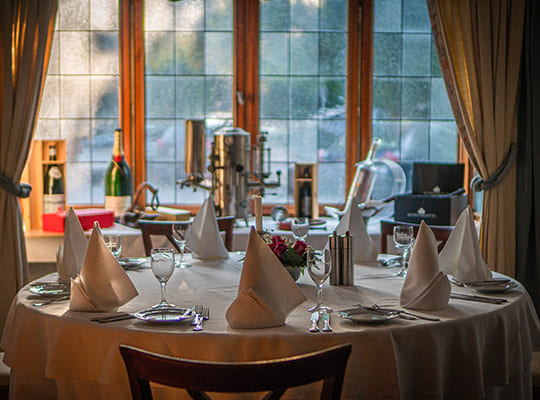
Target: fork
[[198, 311], [54, 300], [204, 315]]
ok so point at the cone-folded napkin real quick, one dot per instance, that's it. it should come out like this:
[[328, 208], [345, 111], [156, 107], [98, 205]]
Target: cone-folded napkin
[[70, 256], [204, 238], [364, 248], [102, 284], [461, 256], [425, 286], [266, 294]]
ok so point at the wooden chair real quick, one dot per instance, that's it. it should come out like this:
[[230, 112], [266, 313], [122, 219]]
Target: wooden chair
[[151, 228], [442, 233], [274, 376]]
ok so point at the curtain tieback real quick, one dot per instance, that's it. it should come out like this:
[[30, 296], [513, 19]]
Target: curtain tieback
[[478, 184], [21, 190]]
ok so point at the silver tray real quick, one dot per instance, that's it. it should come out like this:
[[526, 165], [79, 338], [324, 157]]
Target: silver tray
[[165, 315], [366, 316]]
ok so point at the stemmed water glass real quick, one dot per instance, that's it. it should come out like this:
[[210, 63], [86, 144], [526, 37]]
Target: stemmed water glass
[[114, 243], [319, 271], [300, 228], [180, 235], [403, 240], [162, 261]]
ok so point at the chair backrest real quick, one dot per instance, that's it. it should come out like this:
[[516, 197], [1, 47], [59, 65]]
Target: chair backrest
[[151, 228], [273, 376], [442, 233]]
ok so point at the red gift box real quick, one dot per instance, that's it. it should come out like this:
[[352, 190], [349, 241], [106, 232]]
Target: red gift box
[[87, 216]]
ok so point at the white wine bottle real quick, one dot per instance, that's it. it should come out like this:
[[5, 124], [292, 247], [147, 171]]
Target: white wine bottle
[[54, 196], [118, 183]]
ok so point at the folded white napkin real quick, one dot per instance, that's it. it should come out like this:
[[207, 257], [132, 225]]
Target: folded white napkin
[[461, 256], [102, 284], [70, 256], [425, 286], [364, 248], [266, 293], [204, 238]]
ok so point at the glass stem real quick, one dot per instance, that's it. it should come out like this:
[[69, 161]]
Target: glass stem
[[162, 284], [319, 296]]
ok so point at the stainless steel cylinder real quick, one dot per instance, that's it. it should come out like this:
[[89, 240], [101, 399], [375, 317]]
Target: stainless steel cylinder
[[231, 170], [194, 148]]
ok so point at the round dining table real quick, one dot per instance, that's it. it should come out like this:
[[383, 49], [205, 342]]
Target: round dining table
[[474, 350]]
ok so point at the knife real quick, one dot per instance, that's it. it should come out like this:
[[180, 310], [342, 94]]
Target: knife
[[314, 322], [481, 299]]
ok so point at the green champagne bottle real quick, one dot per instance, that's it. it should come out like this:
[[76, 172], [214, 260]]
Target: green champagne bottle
[[54, 197], [118, 183]]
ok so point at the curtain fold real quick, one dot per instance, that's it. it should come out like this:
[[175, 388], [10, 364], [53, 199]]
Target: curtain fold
[[528, 161], [26, 29], [479, 47]]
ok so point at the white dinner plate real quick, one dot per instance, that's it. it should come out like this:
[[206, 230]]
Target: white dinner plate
[[165, 315], [364, 316], [496, 287]]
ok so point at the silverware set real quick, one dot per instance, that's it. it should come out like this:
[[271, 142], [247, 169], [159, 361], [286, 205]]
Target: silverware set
[[49, 301], [201, 315], [403, 314], [315, 316], [481, 299]]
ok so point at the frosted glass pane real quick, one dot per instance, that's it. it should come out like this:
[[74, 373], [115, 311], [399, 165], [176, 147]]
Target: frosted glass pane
[[389, 133], [333, 53], [443, 141], [332, 140], [104, 96], [416, 54], [47, 129], [54, 59], [332, 98], [334, 15], [219, 97], [274, 15], [278, 138], [78, 179], [74, 52], [440, 104], [280, 195], [274, 94], [73, 15], [305, 15], [387, 15], [161, 17], [159, 57], [98, 182], [387, 54], [331, 183], [50, 107], [104, 53], [187, 195], [189, 15], [416, 98], [160, 140], [304, 97], [304, 54], [190, 98], [104, 15], [219, 15], [416, 17], [274, 53], [414, 141], [76, 132], [74, 97], [189, 53], [159, 97], [303, 141], [103, 138], [219, 53], [162, 175], [386, 98]]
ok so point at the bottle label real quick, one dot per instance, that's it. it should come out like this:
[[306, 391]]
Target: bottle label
[[53, 203], [118, 204]]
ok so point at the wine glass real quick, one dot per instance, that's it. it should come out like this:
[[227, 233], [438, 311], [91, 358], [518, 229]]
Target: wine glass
[[180, 235], [403, 239], [114, 243], [319, 271], [162, 261], [300, 228]]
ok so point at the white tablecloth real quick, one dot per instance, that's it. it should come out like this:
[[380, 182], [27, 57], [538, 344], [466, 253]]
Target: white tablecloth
[[477, 350]]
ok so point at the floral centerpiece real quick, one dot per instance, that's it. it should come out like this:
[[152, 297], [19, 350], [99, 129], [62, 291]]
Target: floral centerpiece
[[291, 253]]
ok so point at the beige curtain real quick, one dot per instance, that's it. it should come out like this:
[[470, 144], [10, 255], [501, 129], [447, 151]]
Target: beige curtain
[[479, 48], [26, 28]]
